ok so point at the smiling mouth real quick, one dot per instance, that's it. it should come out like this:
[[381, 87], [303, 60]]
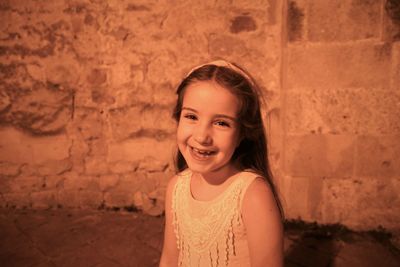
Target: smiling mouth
[[201, 154]]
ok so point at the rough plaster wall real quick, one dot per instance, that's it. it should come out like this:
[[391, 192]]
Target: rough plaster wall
[[87, 89], [341, 111]]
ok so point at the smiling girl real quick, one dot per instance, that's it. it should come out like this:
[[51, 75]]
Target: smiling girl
[[222, 208]]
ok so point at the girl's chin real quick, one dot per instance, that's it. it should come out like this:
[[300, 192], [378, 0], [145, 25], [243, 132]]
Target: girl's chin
[[203, 168]]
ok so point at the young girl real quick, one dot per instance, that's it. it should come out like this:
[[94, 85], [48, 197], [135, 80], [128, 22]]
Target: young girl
[[221, 208]]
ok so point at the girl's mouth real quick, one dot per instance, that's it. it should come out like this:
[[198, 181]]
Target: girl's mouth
[[200, 154]]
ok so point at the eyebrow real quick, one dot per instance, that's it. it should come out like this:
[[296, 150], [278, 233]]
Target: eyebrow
[[216, 115]]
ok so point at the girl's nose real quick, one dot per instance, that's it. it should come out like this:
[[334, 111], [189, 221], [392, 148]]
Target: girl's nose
[[202, 135]]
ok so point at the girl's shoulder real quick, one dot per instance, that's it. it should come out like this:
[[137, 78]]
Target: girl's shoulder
[[256, 187], [249, 176], [178, 177], [257, 191]]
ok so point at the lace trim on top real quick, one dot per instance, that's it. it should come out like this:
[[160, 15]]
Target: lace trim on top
[[205, 231]]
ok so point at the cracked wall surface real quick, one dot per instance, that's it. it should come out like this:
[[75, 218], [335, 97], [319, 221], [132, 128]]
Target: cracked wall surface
[[87, 90]]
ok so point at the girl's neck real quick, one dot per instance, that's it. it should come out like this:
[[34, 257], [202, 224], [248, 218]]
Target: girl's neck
[[218, 177]]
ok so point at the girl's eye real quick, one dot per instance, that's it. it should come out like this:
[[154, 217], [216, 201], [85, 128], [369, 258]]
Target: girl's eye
[[222, 123], [190, 116]]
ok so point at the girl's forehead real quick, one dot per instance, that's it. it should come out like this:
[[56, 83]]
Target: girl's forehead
[[211, 96]]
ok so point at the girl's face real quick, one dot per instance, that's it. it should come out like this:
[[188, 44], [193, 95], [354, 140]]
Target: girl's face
[[208, 130]]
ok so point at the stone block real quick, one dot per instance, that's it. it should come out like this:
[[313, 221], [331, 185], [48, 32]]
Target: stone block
[[296, 15], [26, 184], [69, 198], [89, 122], [391, 21], [163, 178], [273, 11], [151, 164], [156, 69], [119, 199], [125, 121], [343, 111], [336, 21], [121, 167], [97, 76], [396, 66], [158, 118], [16, 199], [67, 73], [273, 125], [18, 147], [142, 120], [102, 96], [158, 194], [315, 197], [340, 204], [53, 182], [303, 197], [75, 181], [139, 148], [150, 181], [320, 111], [377, 112], [38, 108], [5, 101], [37, 72], [80, 146], [226, 46], [90, 199], [378, 156], [54, 167], [361, 203], [319, 155], [148, 205], [164, 95], [107, 182], [121, 73], [176, 22], [130, 182], [243, 23], [297, 198], [44, 199], [365, 65], [9, 169], [96, 166]]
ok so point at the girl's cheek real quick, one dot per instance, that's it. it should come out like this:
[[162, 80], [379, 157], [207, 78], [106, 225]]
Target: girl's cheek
[[181, 131]]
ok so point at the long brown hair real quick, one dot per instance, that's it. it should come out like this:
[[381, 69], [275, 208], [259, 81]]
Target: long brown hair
[[252, 152]]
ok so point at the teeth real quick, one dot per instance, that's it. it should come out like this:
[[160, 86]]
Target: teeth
[[205, 152]]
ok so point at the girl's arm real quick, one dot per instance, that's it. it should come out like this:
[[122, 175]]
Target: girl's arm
[[263, 225], [169, 256]]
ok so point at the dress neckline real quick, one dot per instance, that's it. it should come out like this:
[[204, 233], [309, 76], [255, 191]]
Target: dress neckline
[[216, 198]]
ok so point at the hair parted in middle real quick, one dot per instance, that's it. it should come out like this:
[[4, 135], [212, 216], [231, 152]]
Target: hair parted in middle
[[252, 152]]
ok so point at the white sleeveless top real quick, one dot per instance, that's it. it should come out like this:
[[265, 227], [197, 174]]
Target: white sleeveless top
[[211, 233]]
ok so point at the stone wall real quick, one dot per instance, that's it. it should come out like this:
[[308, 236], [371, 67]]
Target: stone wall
[[87, 89], [341, 150]]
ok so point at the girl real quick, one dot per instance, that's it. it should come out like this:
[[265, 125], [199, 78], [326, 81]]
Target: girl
[[222, 208]]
